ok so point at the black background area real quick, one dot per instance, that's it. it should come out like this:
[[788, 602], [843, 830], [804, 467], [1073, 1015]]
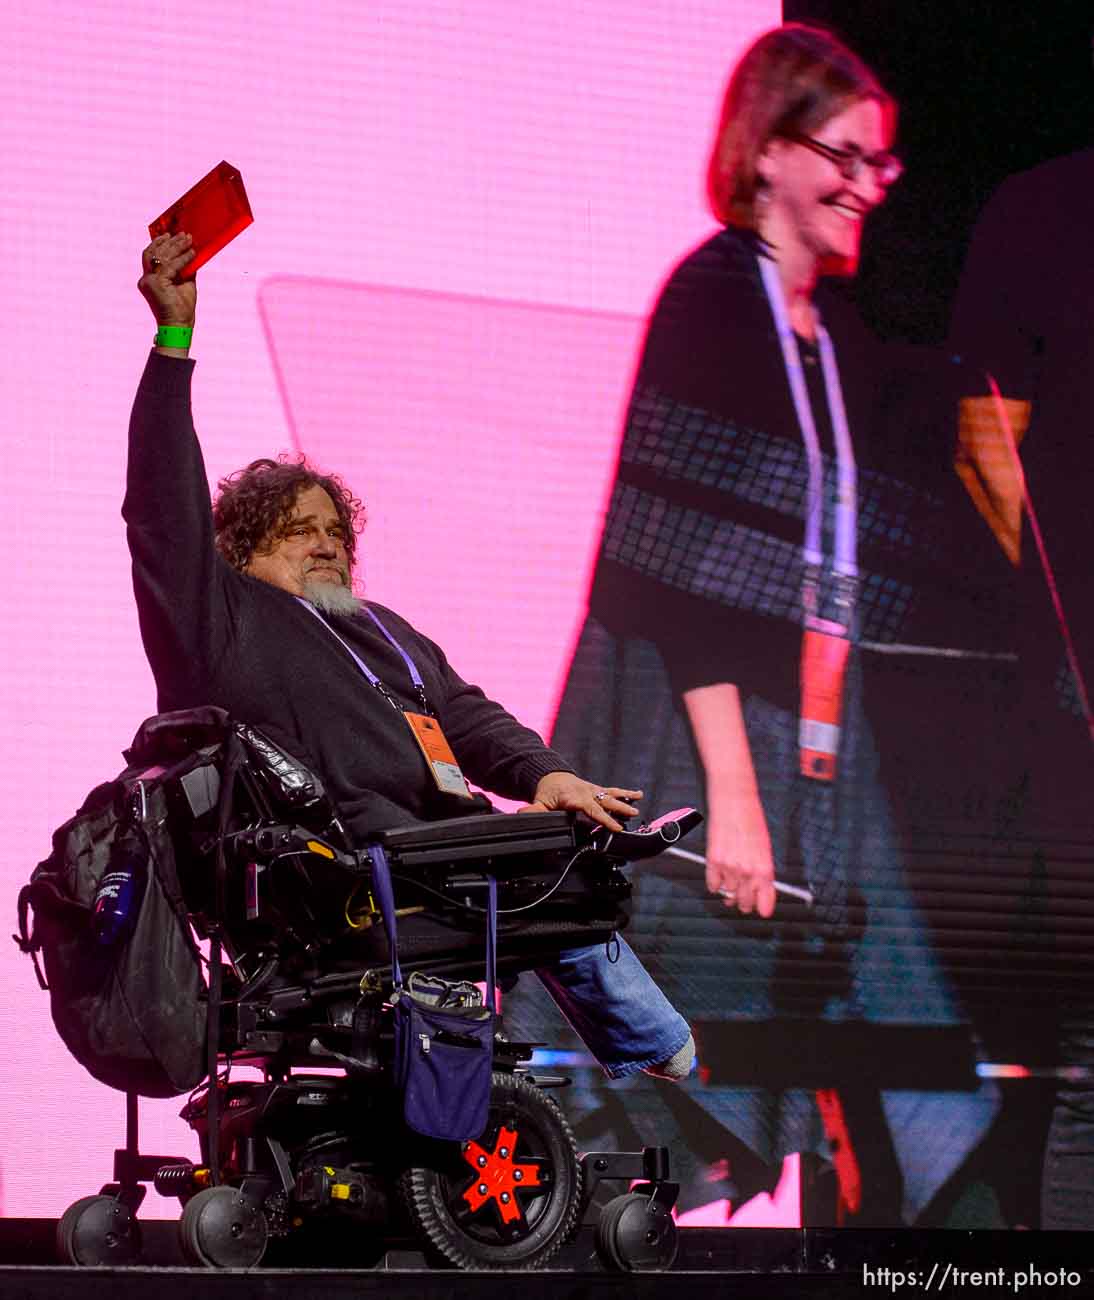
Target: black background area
[[985, 89]]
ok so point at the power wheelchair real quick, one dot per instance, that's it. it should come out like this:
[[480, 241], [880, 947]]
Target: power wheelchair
[[299, 988]]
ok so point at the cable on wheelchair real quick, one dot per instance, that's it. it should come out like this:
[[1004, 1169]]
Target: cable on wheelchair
[[358, 925], [223, 1077], [502, 911]]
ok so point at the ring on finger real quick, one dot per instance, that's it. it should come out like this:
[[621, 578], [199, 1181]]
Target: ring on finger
[[155, 263], [600, 796], [729, 894]]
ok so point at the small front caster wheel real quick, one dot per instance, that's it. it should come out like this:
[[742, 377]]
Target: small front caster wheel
[[636, 1234], [222, 1228], [98, 1230]]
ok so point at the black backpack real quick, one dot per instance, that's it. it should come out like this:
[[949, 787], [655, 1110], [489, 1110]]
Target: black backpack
[[132, 1011]]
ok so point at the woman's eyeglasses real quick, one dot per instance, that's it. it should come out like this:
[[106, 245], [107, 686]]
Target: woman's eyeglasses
[[887, 167]]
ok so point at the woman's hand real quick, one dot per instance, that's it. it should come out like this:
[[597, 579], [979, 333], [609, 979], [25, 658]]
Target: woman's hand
[[740, 869], [565, 792], [173, 302]]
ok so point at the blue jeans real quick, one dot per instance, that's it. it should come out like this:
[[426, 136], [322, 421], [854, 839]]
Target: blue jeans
[[614, 1006]]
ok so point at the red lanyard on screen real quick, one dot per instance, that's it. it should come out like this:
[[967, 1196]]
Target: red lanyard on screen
[[825, 642]]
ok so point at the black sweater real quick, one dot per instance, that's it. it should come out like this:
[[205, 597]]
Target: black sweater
[[216, 636], [701, 551]]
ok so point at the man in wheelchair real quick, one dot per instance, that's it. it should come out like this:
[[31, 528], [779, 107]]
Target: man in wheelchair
[[247, 606]]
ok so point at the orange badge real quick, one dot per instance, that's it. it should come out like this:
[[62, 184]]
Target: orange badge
[[824, 662], [438, 753]]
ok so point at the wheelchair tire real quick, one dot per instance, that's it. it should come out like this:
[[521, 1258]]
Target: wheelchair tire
[[222, 1228], [98, 1231], [634, 1236], [527, 1161]]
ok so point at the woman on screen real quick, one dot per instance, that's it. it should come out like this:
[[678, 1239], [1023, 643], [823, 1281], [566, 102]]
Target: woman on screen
[[761, 527]]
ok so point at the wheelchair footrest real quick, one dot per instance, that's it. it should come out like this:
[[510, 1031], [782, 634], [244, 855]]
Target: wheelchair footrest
[[650, 1167]]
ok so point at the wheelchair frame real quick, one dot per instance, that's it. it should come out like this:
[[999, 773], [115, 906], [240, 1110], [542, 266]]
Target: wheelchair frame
[[509, 1199]]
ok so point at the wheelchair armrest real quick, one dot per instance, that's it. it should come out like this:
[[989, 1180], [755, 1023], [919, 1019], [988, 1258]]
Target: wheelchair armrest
[[487, 835]]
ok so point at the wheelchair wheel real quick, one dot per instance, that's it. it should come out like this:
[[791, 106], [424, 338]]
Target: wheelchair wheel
[[508, 1200], [634, 1236], [222, 1228], [98, 1230]]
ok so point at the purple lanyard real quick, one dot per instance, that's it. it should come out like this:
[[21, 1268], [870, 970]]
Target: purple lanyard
[[845, 561], [373, 680]]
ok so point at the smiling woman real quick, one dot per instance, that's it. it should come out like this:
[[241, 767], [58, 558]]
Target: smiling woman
[[797, 92], [758, 531], [809, 213], [790, 83]]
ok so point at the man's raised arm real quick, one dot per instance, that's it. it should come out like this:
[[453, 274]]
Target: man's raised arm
[[177, 578]]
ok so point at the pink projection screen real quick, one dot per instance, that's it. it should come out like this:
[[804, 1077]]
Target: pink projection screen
[[462, 213]]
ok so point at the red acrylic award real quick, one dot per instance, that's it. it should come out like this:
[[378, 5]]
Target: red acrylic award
[[213, 213]]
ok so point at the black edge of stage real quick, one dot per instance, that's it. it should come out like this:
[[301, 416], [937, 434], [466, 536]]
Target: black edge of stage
[[711, 1262]]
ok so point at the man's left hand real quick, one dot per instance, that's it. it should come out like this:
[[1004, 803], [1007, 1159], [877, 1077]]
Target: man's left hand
[[565, 792]]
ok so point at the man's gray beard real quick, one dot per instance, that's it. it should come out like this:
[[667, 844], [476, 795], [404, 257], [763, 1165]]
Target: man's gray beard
[[332, 599]]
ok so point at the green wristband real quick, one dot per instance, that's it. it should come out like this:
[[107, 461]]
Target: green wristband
[[174, 336]]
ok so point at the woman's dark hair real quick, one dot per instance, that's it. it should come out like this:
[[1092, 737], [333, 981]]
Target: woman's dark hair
[[789, 82], [255, 504]]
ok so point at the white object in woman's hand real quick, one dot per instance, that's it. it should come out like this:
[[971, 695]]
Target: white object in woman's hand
[[740, 868]]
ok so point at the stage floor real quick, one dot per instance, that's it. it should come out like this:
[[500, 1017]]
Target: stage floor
[[745, 1263]]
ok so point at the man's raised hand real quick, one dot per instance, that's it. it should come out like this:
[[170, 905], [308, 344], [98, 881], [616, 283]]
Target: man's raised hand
[[173, 302]]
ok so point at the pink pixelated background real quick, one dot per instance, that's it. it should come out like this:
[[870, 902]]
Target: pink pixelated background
[[462, 214]]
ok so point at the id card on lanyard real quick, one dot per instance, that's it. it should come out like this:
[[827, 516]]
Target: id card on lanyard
[[438, 753], [825, 642], [425, 728]]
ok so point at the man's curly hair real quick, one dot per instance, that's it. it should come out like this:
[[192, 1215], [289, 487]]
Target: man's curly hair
[[254, 506]]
